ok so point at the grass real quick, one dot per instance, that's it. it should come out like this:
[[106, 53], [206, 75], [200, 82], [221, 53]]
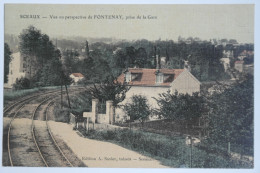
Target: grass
[[12, 95], [79, 103], [61, 114], [169, 128], [170, 151]]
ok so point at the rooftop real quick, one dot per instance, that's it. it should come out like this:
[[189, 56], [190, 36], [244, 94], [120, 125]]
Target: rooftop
[[147, 77], [77, 74], [239, 62]]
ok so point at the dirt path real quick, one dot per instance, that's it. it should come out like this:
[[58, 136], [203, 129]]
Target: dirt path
[[101, 154]]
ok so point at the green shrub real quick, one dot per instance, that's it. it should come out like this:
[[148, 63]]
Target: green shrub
[[22, 83], [61, 114], [171, 151], [11, 95]]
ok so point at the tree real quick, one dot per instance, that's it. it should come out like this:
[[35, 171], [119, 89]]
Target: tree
[[130, 54], [95, 68], [37, 48], [138, 109], [109, 89], [233, 41], [71, 61], [7, 60], [22, 83], [52, 74], [141, 57], [41, 57], [232, 114], [180, 107]]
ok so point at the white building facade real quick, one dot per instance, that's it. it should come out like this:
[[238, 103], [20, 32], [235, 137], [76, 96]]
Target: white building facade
[[152, 82], [16, 69], [76, 78]]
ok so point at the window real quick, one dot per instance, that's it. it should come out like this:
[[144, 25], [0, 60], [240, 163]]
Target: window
[[159, 78], [128, 77]]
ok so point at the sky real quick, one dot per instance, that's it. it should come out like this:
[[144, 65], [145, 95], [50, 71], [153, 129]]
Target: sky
[[166, 22]]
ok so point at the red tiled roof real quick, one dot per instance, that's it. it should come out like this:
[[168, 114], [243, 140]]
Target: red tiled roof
[[239, 62], [147, 77], [77, 74]]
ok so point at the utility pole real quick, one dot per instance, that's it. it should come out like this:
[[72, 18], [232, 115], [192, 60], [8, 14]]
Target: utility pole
[[190, 143], [67, 95], [61, 92]]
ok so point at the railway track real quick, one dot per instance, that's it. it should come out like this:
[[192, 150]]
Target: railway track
[[52, 136], [50, 152], [8, 108], [8, 136], [20, 105]]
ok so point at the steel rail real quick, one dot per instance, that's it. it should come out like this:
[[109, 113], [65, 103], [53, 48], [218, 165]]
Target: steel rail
[[8, 136], [32, 129], [52, 137], [20, 101], [33, 132]]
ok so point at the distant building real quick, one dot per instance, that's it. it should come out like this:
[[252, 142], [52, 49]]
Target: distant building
[[76, 78], [226, 63], [228, 54], [239, 66], [16, 68], [245, 54], [163, 62], [117, 50], [152, 82]]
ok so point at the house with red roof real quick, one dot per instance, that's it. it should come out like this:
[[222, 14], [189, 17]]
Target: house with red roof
[[152, 82], [76, 77], [239, 66]]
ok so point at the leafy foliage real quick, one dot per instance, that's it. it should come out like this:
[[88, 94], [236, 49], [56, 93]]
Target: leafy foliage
[[71, 61], [36, 46], [232, 114], [22, 83], [170, 151], [52, 74], [43, 57], [7, 60], [110, 89], [204, 57], [180, 107], [138, 109]]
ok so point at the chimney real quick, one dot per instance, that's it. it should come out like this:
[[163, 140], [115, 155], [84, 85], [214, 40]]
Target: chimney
[[167, 57], [155, 58], [187, 66], [158, 60]]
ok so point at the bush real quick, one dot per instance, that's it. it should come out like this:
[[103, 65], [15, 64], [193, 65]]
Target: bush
[[171, 151], [138, 109], [61, 114], [22, 83], [232, 115], [12, 95], [180, 107]]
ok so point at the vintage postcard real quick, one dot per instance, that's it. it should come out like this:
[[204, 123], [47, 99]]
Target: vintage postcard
[[128, 86]]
